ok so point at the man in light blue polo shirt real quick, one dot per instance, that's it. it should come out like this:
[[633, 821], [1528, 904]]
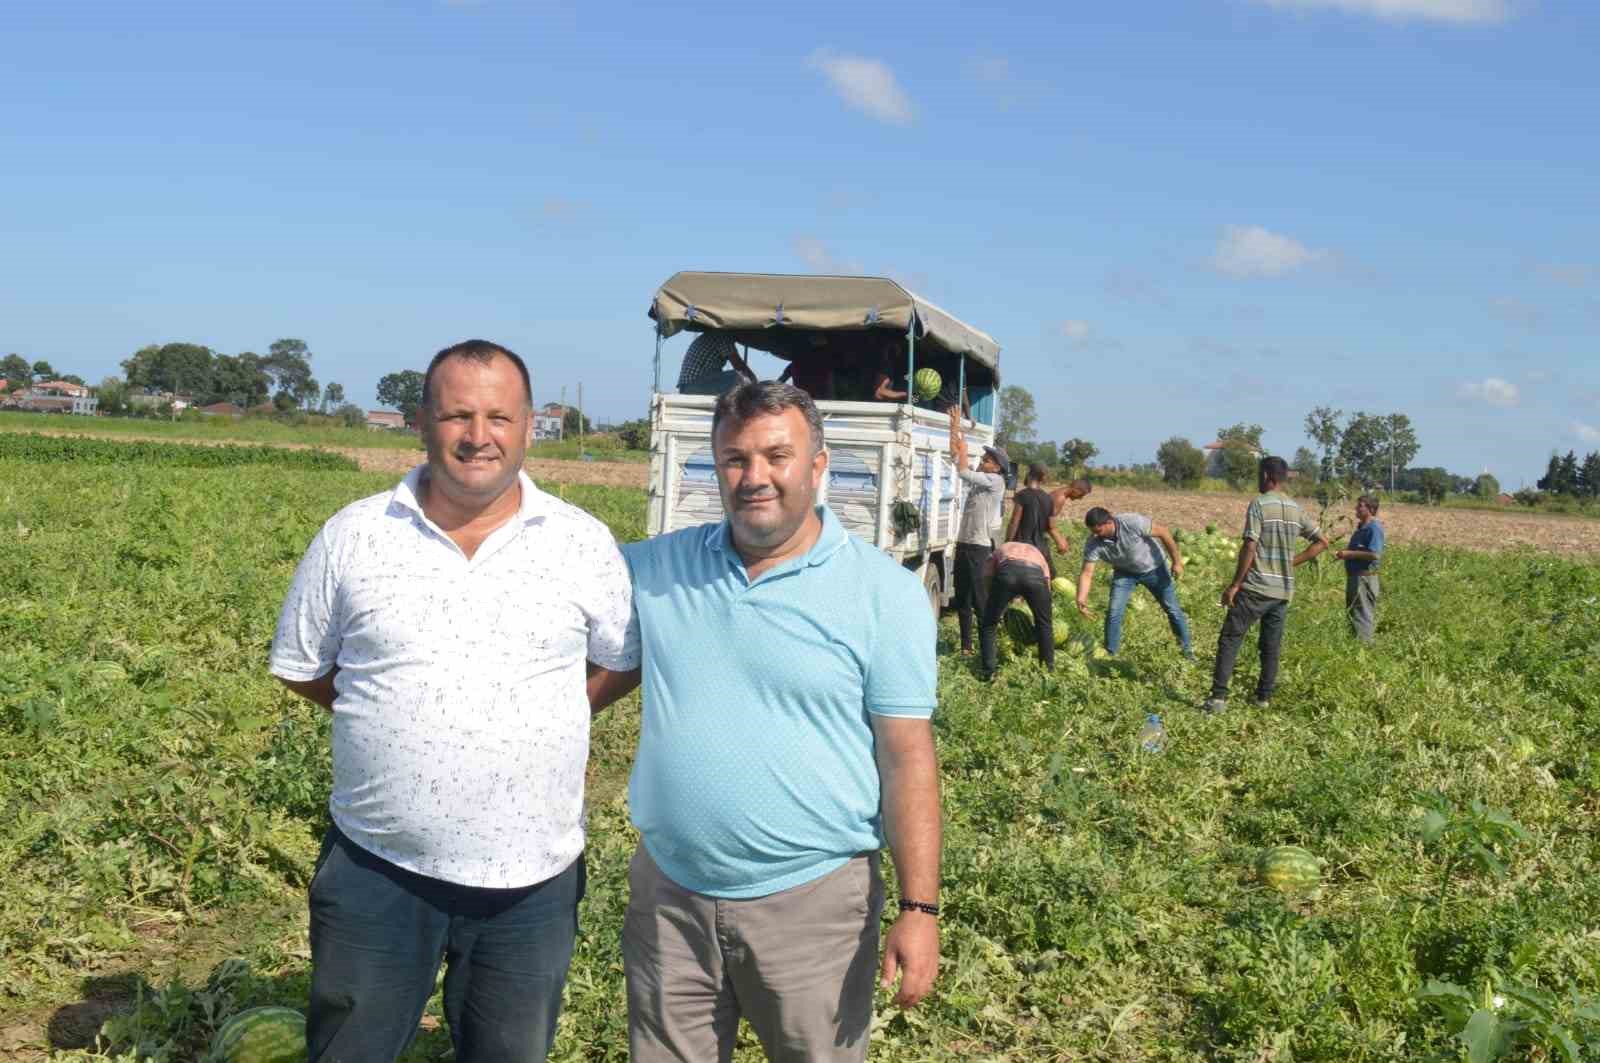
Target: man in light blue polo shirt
[[788, 686]]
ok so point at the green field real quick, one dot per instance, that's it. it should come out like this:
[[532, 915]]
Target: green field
[[264, 430], [161, 799]]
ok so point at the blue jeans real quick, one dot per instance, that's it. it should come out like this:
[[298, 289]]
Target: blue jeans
[[1158, 581], [378, 933]]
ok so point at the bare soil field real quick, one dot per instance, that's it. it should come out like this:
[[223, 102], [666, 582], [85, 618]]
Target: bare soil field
[[1406, 525], [1411, 525]]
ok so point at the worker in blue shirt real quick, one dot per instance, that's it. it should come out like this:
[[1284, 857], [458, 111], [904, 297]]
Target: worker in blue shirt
[[1361, 568]]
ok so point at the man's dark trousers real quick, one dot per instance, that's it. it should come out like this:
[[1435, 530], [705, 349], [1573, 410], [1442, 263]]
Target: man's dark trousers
[[1247, 609], [1011, 579], [378, 933], [970, 560]]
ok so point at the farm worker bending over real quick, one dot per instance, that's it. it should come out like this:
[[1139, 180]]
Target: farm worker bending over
[[703, 371], [1128, 543], [447, 624], [1360, 559], [788, 688], [1033, 518], [980, 513], [1017, 569], [1263, 582]]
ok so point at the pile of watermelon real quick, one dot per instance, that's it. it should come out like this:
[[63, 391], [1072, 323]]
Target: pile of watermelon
[[261, 1035], [1210, 555]]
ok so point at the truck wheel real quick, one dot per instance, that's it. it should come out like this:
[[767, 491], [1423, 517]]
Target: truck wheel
[[933, 583]]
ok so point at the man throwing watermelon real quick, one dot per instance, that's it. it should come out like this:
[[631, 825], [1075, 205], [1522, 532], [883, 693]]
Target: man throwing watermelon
[[447, 625]]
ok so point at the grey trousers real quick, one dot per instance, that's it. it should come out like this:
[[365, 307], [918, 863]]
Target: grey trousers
[[1361, 602], [799, 965]]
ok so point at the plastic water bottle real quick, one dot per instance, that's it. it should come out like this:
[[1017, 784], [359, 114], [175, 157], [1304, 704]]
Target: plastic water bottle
[[1152, 736]]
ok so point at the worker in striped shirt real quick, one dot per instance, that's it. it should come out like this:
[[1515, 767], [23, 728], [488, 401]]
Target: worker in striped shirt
[[1263, 582]]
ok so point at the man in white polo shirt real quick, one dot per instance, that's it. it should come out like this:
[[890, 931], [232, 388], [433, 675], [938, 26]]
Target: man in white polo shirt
[[447, 625]]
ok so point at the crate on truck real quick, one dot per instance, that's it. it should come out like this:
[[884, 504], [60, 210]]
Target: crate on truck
[[891, 478]]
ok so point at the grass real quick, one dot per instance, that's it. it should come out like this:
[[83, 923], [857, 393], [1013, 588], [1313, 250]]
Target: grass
[[161, 799], [261, 430]]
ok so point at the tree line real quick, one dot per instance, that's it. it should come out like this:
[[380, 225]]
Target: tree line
[[1569, 477], [281, 377], [16, 371]]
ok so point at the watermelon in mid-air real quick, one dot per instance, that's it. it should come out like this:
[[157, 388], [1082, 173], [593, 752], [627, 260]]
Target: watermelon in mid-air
[[1289, 869], [261, 1035], [926, 383]]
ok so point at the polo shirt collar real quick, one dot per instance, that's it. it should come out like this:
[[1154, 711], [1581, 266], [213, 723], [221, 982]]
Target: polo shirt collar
[[829, 541], [534, 504]]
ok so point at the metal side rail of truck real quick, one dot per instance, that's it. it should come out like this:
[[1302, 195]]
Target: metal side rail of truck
[[891, 477]]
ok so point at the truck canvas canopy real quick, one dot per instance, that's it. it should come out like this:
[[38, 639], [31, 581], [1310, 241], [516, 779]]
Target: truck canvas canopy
[[773, 312]]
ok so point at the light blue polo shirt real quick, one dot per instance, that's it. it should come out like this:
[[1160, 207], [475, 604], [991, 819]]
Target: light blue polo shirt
[[756, 768]]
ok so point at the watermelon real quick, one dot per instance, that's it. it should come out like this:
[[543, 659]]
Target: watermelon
[[927, 383], [1062, 631], [1062, 585], [1289, 869], [261, 1035], [1018, 621]]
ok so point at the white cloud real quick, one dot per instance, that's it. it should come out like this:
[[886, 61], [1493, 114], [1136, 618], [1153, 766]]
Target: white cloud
[[1514, 311], [1251, 251], [819, 258], [1586, 432], [1074, 331], [1491, 390], [1569, 274], [866, 84], [1463, 11]]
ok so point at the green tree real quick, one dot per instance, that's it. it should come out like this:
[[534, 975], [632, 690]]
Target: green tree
[[574, 423], [1238, 464], [333, 395], [1247, 434], [73, 378], [1017, 416], [1375, 447], [1182, 463], [175, 367], [16, 371], [1589, 475], [1486, 486], [1570, 481], [43, 370], [1434, 485], [1305, 464], [351, 415], [1075, 454], [1324, 428], [403, 391], [288, 361], [240, 379], [112, 395]]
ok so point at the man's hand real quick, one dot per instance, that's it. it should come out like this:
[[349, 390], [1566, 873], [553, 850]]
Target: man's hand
[[1229, 594], [1083, 607], [912, 951], [1338, 555], [1177, 567]]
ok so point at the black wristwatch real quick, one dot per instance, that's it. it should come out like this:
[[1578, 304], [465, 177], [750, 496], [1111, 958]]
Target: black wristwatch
[[918, 906]]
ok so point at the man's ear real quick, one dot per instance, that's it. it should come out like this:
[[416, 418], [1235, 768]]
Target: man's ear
[[819, 468]]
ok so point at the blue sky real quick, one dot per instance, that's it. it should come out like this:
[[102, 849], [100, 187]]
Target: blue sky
[[1172, 216]]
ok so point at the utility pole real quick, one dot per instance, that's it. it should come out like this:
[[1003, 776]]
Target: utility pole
[[580, 418], [561, 429]]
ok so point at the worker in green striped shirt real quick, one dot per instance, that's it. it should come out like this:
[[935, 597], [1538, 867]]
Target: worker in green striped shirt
[[1263, 582]]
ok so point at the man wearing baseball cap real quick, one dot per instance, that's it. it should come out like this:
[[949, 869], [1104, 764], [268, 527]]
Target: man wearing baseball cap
[[980, 519]]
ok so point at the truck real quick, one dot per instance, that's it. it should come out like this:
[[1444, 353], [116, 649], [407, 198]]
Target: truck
[[891, 479]]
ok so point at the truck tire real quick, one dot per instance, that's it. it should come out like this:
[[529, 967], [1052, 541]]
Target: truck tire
[[933, 583]]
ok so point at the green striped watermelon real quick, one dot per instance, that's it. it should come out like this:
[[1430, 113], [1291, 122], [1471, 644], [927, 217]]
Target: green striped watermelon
[[1290, 869], [261, 1035], [1063, 586], [926, 383], [1018, 621]]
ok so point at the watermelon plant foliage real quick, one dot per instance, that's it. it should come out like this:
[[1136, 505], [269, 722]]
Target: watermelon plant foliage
[[161, 800]]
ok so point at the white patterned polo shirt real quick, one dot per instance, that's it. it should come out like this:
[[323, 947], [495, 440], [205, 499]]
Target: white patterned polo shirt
[[461, 722]]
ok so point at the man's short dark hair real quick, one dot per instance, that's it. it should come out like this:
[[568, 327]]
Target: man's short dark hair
[[1275, 469], [764, 398], [1371, 502], [1082, 485], [1037, 473], [483, 352], [1096, 517]]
